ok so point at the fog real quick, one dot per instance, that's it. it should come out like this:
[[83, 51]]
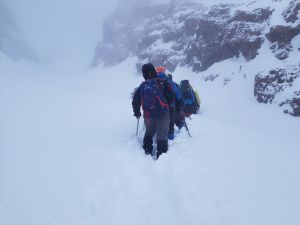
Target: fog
[[61, 30], [68, 30]]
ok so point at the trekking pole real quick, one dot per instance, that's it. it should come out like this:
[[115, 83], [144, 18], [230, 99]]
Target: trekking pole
[[187, 129], [137, 126]]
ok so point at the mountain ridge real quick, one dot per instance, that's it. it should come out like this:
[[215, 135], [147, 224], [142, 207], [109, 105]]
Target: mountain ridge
[[189, 34]]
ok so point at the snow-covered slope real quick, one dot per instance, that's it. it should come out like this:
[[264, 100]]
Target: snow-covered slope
[[189, 34], [12, 43], [69, 154]]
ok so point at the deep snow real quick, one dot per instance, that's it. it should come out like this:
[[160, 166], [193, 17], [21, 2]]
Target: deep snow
[[69, 154]]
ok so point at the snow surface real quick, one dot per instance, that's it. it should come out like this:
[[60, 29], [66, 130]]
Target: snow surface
[[69, 154]]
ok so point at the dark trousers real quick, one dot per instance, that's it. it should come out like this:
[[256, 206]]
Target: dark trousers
[[172, 122], [179, 119], [160, 127]]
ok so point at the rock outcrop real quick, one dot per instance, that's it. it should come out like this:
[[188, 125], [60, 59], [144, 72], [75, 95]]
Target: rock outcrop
[[270, 84], [185, 34], [291, 13]]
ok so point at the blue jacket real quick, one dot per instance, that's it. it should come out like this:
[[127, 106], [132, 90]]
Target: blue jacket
[[176, 89], [137, 98]]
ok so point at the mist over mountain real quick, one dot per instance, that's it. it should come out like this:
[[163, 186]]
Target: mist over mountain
[[190, 34], [61, 32], [186, 33], [12, 41]]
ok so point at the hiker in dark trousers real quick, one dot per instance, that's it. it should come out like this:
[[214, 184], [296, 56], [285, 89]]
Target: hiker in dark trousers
[[156, 115], [178, 117], [161, 73]]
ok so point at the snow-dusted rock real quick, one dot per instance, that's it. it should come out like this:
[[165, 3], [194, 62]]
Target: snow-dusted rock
[[280, 37], [293, 104], [186, 34], [291, 13], [268, 85]]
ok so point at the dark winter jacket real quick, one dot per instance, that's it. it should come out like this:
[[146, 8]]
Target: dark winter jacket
[[136, 101], [177, 91], [179, 100]]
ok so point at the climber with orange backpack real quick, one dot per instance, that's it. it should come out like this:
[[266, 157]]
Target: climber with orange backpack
[[175, 106]]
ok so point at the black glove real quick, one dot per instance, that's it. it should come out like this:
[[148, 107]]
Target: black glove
[[137, 115]]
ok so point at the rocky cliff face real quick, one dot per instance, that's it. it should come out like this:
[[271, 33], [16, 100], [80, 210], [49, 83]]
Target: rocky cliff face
[[184, 33], [271, 83]]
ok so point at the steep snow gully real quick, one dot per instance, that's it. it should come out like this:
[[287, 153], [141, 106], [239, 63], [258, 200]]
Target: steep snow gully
[[69, 154]]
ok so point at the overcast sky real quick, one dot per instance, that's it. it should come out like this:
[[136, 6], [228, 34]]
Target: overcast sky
[[67, 29]]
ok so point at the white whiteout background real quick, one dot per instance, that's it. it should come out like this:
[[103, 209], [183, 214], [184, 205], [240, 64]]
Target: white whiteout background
[[69, 154]]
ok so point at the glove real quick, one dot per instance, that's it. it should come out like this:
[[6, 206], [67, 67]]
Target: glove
[[137, 115]]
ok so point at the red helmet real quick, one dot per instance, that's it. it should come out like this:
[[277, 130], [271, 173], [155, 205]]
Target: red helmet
[[160, 69]]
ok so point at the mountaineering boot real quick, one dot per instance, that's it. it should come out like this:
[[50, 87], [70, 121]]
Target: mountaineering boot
[[180, 125], [148, 144], [162, 147], [171, 136]]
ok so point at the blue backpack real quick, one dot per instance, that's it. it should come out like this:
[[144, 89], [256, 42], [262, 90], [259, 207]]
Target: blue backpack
[[153, 98], [190, 105], [173, 85]]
